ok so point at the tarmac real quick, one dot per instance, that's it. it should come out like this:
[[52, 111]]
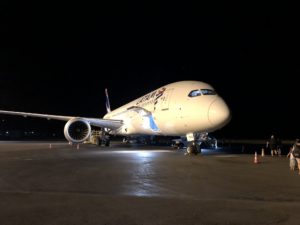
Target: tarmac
[[142, 185]]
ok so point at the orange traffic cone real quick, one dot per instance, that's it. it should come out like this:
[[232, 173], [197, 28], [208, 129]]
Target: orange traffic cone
[[255, 158]]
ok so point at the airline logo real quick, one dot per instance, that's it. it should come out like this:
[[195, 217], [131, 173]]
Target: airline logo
[[151, 98], [159, 94]]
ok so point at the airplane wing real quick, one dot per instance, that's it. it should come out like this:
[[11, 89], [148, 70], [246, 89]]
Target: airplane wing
[[111, 124]]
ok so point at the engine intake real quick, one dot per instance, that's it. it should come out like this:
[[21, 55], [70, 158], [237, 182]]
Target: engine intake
[[77, 130]]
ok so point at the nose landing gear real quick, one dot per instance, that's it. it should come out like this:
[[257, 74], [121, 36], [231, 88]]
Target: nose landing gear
[[194, 141], [193, 148]]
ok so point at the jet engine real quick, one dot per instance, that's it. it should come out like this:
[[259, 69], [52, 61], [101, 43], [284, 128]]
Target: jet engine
[[77, 130]]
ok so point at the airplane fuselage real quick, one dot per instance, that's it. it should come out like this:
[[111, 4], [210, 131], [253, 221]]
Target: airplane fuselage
[[174, 109]]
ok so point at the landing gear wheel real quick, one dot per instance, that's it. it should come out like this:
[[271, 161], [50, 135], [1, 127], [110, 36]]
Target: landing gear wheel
[[98, 141], [107, 142], [104, 139], [192, 149], [189, 150]]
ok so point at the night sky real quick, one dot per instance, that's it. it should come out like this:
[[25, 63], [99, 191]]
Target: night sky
[[57, 59]]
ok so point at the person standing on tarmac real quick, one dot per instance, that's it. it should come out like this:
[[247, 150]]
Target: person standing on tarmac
[[293, 162], [272, 143], [296, 152]]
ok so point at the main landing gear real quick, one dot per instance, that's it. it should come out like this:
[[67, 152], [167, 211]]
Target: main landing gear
[[103, 139]]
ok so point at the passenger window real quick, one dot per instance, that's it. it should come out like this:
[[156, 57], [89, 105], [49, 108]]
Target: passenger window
[[208, 92], [194, 93]]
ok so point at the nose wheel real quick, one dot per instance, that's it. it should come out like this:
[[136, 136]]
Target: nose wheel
[[193, 148], [194, 141]]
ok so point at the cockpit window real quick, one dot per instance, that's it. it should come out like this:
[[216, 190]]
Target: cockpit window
[[194, 93], [208, 92]]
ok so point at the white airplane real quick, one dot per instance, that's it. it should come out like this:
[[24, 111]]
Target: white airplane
[[184, 108]]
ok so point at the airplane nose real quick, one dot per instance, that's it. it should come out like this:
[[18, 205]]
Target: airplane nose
[[219, 113]]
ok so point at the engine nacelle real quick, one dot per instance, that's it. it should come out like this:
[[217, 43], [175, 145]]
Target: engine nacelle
[[77, 130]]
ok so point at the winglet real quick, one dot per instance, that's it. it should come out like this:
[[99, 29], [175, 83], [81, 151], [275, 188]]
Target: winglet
[[107, 101]]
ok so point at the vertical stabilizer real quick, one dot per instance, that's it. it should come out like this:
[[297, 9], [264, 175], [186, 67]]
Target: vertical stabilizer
[[107, 101]]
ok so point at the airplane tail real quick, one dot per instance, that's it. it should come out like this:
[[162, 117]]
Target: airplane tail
[[107, 104]]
